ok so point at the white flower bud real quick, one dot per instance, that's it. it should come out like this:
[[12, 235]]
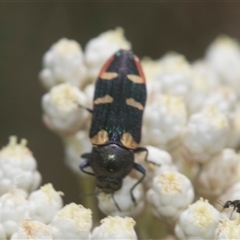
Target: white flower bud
[[219, 173], [107, 202], [170, 194], [89, 92], [223, 56], [63, 62], [72, 222], [228, 229], [99, 49], [157, 160], [44, 203], [203, 70], [205, 134], [61, 111], [18, 167], [163, 121], [13, 207], [189, 168], [204, 80], [234, 131], [175, 76], [223, 98], [199, 221], [115, 228], [75, 146], [150, 69], [29, 229], [2, 233]]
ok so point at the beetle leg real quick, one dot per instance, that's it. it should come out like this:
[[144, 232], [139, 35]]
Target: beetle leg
[[86, 155], [143, 149], [140, 169], [116, 204], [86, 163]]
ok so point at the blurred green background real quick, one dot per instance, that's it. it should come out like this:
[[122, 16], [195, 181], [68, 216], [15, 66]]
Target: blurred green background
[[27, 30]]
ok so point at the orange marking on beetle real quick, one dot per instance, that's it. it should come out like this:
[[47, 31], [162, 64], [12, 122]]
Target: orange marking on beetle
[[134, 103], [128, 142], [139, 67], [108, 75], [106, 65], [103, 100], [100, 138], [135, 78]]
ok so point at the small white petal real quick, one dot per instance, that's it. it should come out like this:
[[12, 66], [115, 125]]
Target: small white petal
[[115, 228]]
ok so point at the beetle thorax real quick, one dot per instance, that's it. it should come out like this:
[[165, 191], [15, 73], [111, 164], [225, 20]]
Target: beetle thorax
[[111, 163]]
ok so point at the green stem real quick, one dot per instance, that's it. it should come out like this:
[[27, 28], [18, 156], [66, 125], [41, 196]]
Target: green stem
[[149, 227], [86, 185]]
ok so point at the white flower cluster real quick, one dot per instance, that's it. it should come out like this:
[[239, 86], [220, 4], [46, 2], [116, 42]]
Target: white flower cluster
[[27, 213], [190, 128]]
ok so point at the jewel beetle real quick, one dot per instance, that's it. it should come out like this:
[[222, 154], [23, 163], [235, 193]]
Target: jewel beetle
[[115, 133]]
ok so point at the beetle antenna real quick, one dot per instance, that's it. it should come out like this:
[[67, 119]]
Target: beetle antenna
[[88, 109], [220, 203], [119, 209]]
